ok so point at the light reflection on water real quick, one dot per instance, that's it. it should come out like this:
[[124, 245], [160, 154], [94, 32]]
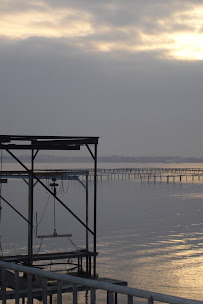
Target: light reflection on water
[[150, 235], [175, 270], [162, 250], [189, 196]]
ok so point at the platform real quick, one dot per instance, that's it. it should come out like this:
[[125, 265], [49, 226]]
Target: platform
[[37, 292]]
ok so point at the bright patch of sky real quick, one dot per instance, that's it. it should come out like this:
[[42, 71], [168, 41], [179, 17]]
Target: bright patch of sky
[[174, 28]]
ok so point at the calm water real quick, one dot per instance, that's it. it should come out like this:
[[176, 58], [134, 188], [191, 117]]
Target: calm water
[[150, 235]]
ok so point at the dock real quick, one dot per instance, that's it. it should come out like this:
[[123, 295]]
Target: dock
[[23, 276], [150, 174]]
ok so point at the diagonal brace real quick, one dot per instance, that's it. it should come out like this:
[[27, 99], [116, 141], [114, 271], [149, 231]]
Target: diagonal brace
[[14, 208], [90, 152], [50, 192]]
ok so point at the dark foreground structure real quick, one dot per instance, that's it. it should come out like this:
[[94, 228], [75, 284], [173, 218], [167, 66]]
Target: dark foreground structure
[[20, 278], [85, 259]]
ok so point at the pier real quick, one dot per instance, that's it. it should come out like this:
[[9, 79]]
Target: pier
[[149, 175], [80, 262]]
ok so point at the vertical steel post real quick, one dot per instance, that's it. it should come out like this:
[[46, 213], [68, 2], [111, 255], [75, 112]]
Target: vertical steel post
[[44, 289], [116, 298], [16, 287], [30, 212], [95, 207], [93, 296], [29, 287], [130, 300], [87, 223], [59, 292], [150, 301], [3, 284], [75, 294], [110, 297]]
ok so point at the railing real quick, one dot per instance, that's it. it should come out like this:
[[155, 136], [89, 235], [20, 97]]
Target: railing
[[76, 284]]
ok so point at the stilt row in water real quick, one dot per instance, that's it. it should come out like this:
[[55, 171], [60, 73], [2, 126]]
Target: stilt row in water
[[150, 174]]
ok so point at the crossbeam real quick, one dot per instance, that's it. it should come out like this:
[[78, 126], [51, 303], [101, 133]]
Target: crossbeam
[[54, 235]]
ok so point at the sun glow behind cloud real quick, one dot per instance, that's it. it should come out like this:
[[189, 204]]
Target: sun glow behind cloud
[[188, 46], [178, 35]]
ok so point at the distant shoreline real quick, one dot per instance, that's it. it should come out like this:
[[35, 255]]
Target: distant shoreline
[[108, 159]]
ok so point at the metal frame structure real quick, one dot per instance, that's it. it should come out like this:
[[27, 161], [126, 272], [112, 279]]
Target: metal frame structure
[[35, 144]]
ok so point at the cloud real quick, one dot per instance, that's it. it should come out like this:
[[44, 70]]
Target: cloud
[[133, 102], [105, 69], [172, 27], [42, 20]]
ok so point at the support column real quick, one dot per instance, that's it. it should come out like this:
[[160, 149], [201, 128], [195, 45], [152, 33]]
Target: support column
[[87, 223], [30, 212], [95, 207]]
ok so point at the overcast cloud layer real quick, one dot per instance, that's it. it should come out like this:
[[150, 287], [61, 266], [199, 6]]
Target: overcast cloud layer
[[129, 72]]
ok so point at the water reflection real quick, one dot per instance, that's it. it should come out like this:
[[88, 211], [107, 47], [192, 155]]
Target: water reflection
[[173, 265], [188, 195], [150, 235]]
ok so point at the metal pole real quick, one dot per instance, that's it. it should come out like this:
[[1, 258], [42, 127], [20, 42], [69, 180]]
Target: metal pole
[[30, 212], [95, 207], [87, 240]]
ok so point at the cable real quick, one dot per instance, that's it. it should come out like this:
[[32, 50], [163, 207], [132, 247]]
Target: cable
[[1, 247], [39, 246], [67, 189], [62, 185], [42, 214], [74, 245], [60, 188]]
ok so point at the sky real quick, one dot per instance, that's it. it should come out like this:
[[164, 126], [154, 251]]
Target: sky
[[128, 71]]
